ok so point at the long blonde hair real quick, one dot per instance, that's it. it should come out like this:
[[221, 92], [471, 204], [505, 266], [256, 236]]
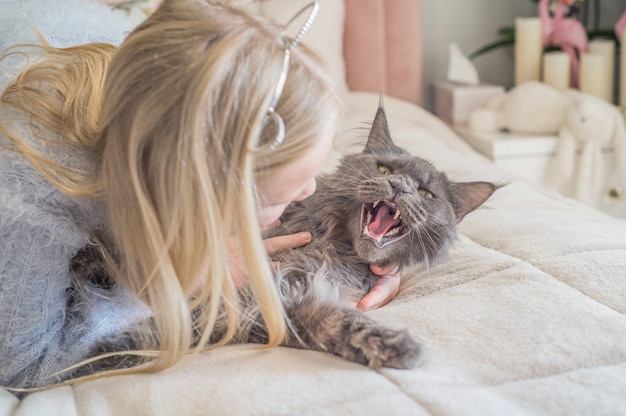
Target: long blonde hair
[[178, 127]]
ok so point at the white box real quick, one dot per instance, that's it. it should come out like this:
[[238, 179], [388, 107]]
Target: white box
[[529, 156], [454, 102]]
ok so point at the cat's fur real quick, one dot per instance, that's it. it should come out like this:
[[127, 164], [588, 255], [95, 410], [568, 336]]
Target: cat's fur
[[318, 282]]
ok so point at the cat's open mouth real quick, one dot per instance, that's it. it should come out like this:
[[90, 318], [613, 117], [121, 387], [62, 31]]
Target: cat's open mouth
[[381, 221]]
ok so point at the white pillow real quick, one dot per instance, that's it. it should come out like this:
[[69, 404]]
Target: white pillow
[[325, 34]]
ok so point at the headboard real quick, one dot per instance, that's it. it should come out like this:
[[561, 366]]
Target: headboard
[[382, 47], [382, 41]]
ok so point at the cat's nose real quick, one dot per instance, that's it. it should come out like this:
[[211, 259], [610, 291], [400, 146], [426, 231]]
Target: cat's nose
[[398, 185]]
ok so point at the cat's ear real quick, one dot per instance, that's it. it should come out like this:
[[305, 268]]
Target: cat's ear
[[467, 196], [379, 136]]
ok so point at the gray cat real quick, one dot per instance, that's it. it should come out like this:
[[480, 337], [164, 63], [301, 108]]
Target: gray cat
[[381, 206]]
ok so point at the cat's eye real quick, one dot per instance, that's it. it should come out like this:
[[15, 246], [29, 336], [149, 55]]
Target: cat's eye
[[384, 169], [424, 193]]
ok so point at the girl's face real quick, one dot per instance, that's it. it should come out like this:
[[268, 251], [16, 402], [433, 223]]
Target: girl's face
[[293, 182]]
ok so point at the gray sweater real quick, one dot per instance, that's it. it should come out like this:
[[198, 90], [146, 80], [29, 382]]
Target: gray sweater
[[44, 325], [41, 228]]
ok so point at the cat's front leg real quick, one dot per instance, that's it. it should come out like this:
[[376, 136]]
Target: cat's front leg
[[350, 334], [379, 346]]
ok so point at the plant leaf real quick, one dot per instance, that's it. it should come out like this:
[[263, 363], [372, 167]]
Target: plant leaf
[[491, 46]]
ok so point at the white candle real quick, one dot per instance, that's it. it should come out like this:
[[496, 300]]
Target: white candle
[[622, 71], [606, 48], [556, 69], [592, 73], [528, 49]]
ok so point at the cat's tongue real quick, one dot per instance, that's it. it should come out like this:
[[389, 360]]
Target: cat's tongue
[[382, 222]]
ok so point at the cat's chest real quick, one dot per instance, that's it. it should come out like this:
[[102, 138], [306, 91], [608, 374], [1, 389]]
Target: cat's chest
[[332, 238], [322, 219]]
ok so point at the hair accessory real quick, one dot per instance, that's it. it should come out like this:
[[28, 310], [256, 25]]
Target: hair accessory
[[271, 111]]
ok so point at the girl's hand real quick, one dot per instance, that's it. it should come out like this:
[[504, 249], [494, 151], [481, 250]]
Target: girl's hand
[[272, 245], [386, 287]]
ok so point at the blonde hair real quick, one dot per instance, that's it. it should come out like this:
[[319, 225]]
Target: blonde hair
[[178, 127]]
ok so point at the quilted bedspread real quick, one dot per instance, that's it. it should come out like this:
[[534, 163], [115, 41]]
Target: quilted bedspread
[[525, 317]]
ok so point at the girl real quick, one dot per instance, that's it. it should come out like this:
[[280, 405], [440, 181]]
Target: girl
[[165, 156]]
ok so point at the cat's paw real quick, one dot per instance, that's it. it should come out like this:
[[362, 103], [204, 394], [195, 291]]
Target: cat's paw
[[384, 347]]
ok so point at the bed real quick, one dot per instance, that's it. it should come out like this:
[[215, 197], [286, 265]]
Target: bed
[[525, 317]]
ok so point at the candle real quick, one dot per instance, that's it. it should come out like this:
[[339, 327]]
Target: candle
[[528, 49], [622, 70], [556, 69], [592, 74], [606, 48]]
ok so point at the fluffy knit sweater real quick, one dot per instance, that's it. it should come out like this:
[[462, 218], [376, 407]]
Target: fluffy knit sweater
[[41, 331]]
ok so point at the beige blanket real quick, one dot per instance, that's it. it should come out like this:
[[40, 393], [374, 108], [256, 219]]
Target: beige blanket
[[525, 317]]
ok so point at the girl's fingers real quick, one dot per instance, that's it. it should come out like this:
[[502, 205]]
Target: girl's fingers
[[385, 289], [274, 244]]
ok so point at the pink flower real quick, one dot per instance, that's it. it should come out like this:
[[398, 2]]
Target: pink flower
[[566, 33], [620, 26]]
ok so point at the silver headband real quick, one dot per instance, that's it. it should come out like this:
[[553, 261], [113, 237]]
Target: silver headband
[[271, 111]]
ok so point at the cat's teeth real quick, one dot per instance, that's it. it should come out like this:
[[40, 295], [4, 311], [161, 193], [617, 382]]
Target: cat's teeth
[[396, 215], [393, 232], [376, 204]]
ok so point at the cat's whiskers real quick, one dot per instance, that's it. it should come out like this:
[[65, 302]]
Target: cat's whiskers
[[413, 214], [356, 174], [426, 260], [343, 185], [356, 169], [436, 219], [345, 180], [351, 177], [427, 234]]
